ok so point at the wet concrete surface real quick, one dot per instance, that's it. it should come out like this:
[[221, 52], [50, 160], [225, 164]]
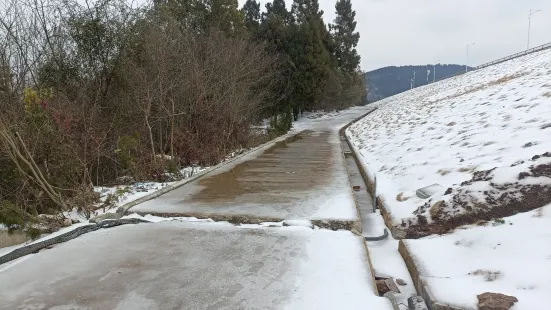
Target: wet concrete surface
[[302, 178], [183, 265]]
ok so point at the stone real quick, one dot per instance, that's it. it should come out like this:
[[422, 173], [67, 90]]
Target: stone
[[401, 282], [382, 288], [417, 303], [105, 216], [120, 210], [67, 222], [495, 301], [430, 190]]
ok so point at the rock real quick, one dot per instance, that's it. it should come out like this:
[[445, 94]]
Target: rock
[[495, 301], [67, 222], [417, 303], [105, 216], [428, 191], [120, 210], [448, 191], [462, 160], [382, 288], [75, 221], [401, 282]]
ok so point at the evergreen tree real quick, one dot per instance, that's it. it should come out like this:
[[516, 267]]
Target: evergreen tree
[[278, 8], [251, 10], [345, 36], [302, 10], [224, 15]]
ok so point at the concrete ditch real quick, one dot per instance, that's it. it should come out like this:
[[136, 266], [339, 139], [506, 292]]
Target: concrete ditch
[[422, 290]]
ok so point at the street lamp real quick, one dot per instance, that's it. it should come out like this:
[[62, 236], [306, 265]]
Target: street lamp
[[434, 73], [467, 63], [529, 24]]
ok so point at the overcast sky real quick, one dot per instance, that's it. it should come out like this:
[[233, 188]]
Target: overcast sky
[[417, 32]]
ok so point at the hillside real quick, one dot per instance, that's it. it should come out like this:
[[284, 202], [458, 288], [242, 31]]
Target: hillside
[[389, 81], [464, 166]]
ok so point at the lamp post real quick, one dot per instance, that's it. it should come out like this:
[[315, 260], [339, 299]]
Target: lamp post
[[467, 63], [529, 26]]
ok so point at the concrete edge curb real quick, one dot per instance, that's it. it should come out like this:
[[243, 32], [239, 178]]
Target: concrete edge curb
[[421, 288], [181, 183]]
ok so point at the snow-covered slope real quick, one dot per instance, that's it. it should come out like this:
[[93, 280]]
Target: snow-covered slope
[[445, 132]]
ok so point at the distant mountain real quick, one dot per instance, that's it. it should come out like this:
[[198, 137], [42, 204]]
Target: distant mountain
[[389, 81]]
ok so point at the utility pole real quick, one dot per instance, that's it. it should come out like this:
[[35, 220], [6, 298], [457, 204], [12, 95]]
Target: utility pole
[[467, 63], [529, 26]]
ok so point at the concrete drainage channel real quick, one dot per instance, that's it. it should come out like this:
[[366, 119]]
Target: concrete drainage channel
[[366, 204]]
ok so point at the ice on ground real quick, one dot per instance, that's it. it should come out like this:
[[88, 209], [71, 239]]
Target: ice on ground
[[197, 265], [511, 257], [444, 132]]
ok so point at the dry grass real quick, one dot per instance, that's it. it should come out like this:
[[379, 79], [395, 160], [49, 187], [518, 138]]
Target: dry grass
[[489, 275], [444, 171], [469, 169], [401, 197], [539, 213], [435, 209]]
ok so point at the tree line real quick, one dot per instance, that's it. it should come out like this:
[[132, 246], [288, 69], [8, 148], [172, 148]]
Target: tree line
[[95, 90]]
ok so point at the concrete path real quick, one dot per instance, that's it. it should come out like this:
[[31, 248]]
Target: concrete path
[[182, 265], [302, 178]]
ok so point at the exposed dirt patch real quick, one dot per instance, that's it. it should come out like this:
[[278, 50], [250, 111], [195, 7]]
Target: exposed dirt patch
[[470, 207]]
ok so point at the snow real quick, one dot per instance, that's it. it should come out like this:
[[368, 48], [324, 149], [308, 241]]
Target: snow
[[385, 258], [219, 265], [513, 258], [442, 133]]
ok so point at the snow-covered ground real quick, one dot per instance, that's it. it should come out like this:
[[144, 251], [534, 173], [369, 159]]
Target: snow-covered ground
[[444, 132], [511, 257], [484, 139]]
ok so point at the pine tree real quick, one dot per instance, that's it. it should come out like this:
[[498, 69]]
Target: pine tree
[[251, 10], [224, 15], [345, 36], [278, 8], [309, 54], [302, 10]]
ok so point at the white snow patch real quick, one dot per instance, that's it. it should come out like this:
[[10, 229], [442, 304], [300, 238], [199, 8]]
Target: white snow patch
[[512, 258], [348, 262]]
